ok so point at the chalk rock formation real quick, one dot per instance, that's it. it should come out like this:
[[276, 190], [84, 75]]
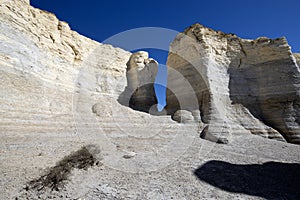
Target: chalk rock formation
[[60, 91], [239, 85], [59, 94], [44, 65], [141, 72]]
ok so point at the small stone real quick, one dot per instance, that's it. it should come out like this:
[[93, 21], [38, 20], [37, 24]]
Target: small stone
[[129, 155]]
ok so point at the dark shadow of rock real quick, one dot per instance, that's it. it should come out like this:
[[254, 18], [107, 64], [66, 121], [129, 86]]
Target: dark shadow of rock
[[271, 180], [142, 99]]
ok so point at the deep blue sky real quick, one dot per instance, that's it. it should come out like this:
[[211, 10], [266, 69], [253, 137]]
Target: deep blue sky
[[99, 20]]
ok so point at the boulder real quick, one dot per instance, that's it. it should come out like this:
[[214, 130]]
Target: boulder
[[183, 116]]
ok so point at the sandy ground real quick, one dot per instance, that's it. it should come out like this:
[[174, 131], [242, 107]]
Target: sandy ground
[[161, 160]]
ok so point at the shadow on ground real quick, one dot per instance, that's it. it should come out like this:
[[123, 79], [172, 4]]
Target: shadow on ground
[[271, 180]]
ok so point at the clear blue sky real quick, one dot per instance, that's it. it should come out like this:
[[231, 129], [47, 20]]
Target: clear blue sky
[[99, 19]]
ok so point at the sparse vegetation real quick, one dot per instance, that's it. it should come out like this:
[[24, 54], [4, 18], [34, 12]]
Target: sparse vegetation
[[56, 176]]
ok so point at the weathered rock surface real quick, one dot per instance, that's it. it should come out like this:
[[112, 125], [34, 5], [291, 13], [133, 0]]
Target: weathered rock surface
[[239, 85], [141, 72], [43, 64], [185, 116], [59, 94]]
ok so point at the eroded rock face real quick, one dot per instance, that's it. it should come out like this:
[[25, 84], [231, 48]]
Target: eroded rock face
[[240, 85], [46, 68], [141, 72]]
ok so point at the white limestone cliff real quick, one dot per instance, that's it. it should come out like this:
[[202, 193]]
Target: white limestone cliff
[[43, 64], [240, 85]]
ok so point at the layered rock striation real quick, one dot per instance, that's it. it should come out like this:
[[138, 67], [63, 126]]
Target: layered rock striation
[[239, 85], [46, 68]]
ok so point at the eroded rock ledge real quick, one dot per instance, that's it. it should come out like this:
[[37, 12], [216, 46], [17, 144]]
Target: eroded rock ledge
[[240, 85], [49, 71]]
